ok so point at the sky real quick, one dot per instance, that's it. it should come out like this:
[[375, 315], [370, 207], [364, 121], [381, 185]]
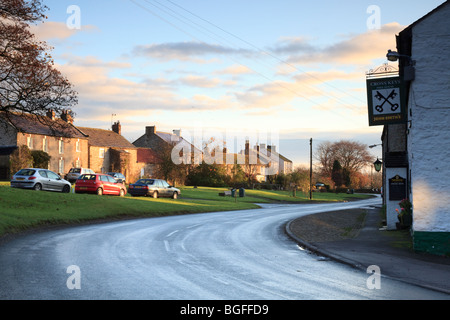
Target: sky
[[279, 72]]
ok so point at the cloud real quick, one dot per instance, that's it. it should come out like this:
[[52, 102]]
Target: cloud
[[51, 30], [183, 50], [309, 87], [200, 81], [235, 70], [293, 45], [101, 93], [353, 49]]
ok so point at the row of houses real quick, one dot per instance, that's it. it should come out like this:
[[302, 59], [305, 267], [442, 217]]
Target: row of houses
[[107, 150]]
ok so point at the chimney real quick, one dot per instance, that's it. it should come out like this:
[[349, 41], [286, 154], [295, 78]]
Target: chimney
[[51, 114], [247, 147], [177, 132], [117, 128], [65, 116], [149, 131]]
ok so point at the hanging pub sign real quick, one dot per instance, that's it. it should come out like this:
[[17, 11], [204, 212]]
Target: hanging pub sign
[[386, 101]]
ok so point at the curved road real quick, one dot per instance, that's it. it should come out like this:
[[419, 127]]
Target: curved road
[[225, 255]]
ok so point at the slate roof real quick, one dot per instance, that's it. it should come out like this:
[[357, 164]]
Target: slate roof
[[28, 123], [106, 138]]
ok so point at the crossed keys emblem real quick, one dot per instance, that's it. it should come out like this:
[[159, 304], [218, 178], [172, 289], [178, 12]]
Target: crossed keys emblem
[[391, 96]]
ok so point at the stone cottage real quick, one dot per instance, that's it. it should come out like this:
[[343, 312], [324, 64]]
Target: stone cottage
[[58, 137], [109, 151]]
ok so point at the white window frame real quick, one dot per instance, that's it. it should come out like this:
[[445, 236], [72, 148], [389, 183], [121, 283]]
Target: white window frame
[[30, 142], [101, 153], [45, 144], [61, 146], [78, 146], [61, 165]]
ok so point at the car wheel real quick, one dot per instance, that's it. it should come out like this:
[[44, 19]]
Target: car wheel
[[99, 191], [37, 187], [175, 195], [122, 193], [155, 195], [66, 189]]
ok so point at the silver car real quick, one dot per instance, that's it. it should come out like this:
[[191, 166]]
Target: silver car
[[75, 173], [153, 187], [39, 179]]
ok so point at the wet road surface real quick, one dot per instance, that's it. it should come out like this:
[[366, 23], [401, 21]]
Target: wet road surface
[[226, 255]]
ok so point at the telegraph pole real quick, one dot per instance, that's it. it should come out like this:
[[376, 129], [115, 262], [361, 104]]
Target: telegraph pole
[[310, 169]]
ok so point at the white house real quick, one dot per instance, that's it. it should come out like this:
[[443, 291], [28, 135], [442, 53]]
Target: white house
[[427, 133]]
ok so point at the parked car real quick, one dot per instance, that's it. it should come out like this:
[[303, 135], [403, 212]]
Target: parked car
[[118, 176], [74, 173], [100, 184], [40, 179], [154, 188]]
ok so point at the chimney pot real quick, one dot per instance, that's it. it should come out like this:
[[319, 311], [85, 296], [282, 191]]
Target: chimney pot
[[51, 114], [150, 130], [117, 127]]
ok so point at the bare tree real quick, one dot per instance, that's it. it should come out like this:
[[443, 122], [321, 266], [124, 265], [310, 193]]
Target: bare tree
[[29, 83], [351, 155]]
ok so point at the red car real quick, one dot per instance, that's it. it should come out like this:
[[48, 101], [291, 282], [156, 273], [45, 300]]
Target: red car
[[100, 184]]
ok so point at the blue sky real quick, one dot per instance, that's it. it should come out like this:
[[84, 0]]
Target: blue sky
[[293, 68]]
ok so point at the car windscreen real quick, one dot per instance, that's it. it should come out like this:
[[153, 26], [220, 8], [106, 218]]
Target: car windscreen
[[75, 170], [145, 181], [26, 172], [87, 177]]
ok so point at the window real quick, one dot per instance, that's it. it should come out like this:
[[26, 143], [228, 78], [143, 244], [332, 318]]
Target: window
[[52, 175], [44, 145], [77, 163], [43, 173], [30, 142], [101, 153], [61, 146], [78, 147], [164, 184], [61, 165]]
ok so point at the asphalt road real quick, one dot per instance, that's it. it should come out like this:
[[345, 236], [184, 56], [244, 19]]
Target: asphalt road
[[225, 255]]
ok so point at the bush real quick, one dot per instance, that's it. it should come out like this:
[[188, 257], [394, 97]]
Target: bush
[[207, 175], [20, 158], [40, 158]]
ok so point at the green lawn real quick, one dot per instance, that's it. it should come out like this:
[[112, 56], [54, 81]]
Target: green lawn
[[265, 196], [24, 209]]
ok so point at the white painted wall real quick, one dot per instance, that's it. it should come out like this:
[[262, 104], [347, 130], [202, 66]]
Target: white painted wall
[[429, 134]]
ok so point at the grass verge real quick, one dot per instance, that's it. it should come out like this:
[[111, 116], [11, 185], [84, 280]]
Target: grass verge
[[22, 210]]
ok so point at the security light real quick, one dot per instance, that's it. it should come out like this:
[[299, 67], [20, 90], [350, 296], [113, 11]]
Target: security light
[[394, 56]]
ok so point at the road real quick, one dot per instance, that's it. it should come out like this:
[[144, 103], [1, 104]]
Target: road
[[226, 255]]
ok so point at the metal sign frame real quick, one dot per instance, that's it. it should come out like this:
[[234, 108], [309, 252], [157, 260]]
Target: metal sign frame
[[386, 101]]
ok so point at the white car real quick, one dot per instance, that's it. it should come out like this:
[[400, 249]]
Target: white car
[[40, 179]]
